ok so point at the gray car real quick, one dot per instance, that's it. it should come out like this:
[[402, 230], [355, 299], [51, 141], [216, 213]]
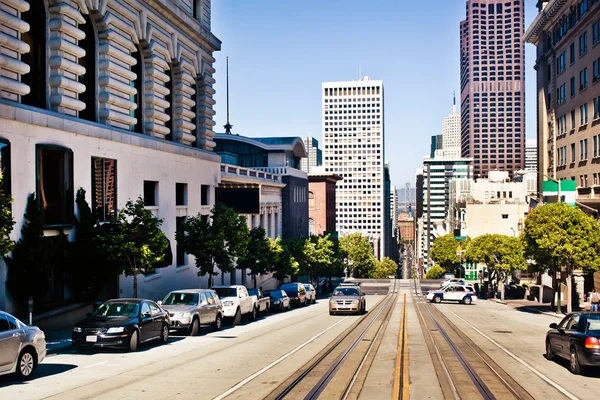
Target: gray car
[[190, 308], [347, 299], [22, 347]]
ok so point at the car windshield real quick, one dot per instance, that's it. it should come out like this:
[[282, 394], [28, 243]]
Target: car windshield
[[345, 291], [187, 299], [593, 323], [117, 310], [275, 295], [290, 288], [226, 292], [307, 286]]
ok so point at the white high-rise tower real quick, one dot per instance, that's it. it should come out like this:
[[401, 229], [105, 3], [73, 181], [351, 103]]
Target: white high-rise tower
[[451, 134], [353, 135]]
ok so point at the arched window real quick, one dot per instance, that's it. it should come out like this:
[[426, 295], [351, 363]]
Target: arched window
[[311, 200], [36, 58], [169, 99], [89, 96], [311, 226], [138, 98]]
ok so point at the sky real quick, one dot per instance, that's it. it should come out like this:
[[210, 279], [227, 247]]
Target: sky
[[280, 51]]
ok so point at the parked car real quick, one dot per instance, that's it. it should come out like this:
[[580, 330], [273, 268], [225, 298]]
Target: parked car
[[189, 309], [577, 339], [453, 292], [280, 301], [296, 293], [122, 323], [448, 275], [262, 302], [311, 293], [452, 280], [347, 299], [236, 303], [22, 347]]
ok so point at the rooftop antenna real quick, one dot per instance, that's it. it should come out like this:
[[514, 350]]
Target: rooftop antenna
[[454, 103], [228, 126]]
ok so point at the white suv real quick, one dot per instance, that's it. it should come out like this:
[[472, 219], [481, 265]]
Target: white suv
[[236, 302], [311, 293]]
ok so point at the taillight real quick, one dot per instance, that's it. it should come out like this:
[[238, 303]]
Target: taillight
[[592, 343]]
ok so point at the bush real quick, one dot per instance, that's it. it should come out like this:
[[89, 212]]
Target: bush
[[435, 272]]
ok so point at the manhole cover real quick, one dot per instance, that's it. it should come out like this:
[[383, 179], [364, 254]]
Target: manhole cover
[[503, 331]]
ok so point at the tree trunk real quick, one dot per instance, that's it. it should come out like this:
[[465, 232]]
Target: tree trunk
[[254, 277], [558, 300], [569, 292], [210, 280], [135, 285], [503, 282], [552, 302]]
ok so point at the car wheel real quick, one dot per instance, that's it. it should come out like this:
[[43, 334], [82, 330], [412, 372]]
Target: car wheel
[[437, 299], [195, 327], [237, 318], [25, 364], [254, 314], [134, 341], [467, 300], [164, 335], [574, 362], [267, 309], [549, 352], [218, 323], [363, 309]]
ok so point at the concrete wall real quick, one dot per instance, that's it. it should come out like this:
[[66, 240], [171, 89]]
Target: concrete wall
[[488, 218]]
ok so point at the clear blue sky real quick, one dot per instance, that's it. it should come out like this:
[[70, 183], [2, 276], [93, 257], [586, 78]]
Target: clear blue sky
[[281, 51]]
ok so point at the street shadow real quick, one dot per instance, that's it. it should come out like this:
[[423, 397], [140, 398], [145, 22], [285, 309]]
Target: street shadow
[[43, 370], [533, 309], [142, 347], [588, 372]]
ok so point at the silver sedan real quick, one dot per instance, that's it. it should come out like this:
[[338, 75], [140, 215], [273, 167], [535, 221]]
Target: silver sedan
[[22, 347]]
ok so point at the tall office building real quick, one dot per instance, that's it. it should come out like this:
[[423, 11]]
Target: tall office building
[[493, 85], [531, 155], [451, 133], [315, 155], [353, 132]]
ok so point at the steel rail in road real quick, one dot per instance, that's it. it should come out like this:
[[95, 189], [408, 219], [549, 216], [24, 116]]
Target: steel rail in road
[[380, 313], [483, 365]]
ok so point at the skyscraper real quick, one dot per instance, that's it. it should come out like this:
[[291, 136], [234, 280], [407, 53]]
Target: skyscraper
[[531, 155], [493, 85], [451, 133], [315, 155], [353, 135]]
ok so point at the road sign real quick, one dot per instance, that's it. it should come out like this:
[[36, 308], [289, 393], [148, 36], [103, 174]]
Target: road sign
[[459, 238]]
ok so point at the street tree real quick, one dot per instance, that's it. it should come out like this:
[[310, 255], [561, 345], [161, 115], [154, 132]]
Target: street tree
[[283, 262], [500, 253], [6, 221], [319, 253], [385, 268], [444, 252], [359, 253], [216, 242], [435, 272], [257, 258], [566, 234], [135, 242]]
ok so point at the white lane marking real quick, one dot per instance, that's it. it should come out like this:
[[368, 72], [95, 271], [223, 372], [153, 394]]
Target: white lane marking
[[535, 371], [95, 365], [280, 359]]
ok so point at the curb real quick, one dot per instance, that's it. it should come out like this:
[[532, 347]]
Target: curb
[[551, 314]]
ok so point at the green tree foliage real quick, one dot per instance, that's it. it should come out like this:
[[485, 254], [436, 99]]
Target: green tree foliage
[[435, 272], [443, 251], [385, 268], [502, 254], [29, 265], [6, 222], [296, 249], [319, 253], [257, 258], [216, 242], [565, 234], [359, 254], [135, 243], [283, 262]]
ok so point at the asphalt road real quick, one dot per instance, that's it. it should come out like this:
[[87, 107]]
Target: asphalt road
[[247, 361], [515, 340]]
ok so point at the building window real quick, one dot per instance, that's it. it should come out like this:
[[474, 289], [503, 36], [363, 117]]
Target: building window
[[181, 256], [583, 114], [596, 107], [595, 32], [5, 166], [573, 153], [104, 188], [88, 79], [596, 145], [138, 84], [55, 184], [561, 63], [36, 58], [504, 216], [572, 119], [181, 194], [572, 86], [205, 195], [311, 200], [596, 70], [583, 79], [169, 98], [150, 193], [572, 52], [311, 226], [583, 44]]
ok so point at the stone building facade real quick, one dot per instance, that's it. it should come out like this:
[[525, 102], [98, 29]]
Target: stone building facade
[[124, 87]]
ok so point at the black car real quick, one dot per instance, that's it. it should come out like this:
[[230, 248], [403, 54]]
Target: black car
[[122, 323], [577, 339], [279, 300], [296, 293]]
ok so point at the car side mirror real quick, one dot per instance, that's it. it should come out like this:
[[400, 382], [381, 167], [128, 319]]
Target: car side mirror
[[553, 326], [146, 315], [159, 302]]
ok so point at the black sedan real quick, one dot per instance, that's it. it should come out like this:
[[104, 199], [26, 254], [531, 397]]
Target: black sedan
[[122, 323], [577, 339]]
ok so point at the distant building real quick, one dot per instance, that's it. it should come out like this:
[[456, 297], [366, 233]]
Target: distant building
[[321, 203], [437, 145], [280, 156], [531, 156], [451, 133], [314, 155], [406, 227], [361, 195]]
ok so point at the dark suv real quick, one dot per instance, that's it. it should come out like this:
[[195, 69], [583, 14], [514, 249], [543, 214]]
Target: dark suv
[[296, 292]]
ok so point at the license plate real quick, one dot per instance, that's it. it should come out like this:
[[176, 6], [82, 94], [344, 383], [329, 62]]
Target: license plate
[[343, 308], [92, 339]]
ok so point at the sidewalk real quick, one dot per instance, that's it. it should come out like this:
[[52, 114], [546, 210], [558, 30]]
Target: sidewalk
[[539, 308]]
